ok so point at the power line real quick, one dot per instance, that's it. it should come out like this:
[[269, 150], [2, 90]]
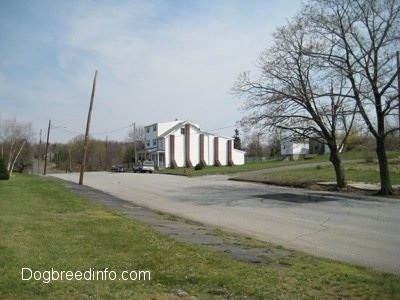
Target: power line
[[112, 131], [232, 126], [94, 133]]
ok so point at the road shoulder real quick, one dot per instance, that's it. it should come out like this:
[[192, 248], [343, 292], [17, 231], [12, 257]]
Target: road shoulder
[[235, 246]]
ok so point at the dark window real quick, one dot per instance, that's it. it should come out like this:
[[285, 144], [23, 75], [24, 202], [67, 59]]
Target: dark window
[[182, 130]]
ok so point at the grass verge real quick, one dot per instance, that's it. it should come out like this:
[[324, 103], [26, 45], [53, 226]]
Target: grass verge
[[354, 172], [366, 158], [251, 166], [44, 226]]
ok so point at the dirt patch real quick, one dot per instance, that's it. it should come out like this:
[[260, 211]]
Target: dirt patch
[[235, 246]]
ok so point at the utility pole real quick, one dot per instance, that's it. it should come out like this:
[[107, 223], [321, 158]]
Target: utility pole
[[40, 152], [398, 84], [134, 141], [85, 145], [107, 163], [47, 149]]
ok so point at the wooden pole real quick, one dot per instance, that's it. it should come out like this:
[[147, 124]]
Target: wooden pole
[[39, 152], [85, 144], [134, 142], [47, 149], [398, 83]]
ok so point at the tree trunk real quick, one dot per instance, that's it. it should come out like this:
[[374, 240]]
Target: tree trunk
[[337, 165], [16, 158], [386, 185]]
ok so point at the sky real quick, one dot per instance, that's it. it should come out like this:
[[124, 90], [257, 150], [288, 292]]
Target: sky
[[157, 61]]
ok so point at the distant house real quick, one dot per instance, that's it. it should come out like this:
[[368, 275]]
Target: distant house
[[183, 144], [298, 148]]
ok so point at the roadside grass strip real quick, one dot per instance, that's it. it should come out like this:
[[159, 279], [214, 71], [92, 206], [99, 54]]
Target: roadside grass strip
[[54, 244]]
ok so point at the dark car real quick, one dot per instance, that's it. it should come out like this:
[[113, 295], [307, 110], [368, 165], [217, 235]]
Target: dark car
[[117, 168]]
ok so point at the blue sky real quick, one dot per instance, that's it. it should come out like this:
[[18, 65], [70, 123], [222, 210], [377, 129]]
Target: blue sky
[[156, 61]]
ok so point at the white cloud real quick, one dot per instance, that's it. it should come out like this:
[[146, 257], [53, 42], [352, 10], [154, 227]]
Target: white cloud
[[156, 62]]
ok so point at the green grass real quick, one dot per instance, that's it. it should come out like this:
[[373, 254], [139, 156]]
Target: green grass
[[43, 226], [362, 171], [251, 166], [354, 172]]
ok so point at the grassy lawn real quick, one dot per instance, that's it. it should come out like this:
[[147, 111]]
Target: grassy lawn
[[251, 166], [44, 226], [362, 171], [355, 172]]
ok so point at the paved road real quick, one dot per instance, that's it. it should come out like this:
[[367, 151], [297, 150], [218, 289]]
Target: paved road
[[363, 231]]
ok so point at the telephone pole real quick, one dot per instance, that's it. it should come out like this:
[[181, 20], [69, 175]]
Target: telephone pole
[[134, 141], [85, 144], [47, 148], [39, 152], [398, 84]]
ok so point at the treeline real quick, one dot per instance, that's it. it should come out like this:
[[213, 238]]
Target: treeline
[[259, 147], [101, 154]]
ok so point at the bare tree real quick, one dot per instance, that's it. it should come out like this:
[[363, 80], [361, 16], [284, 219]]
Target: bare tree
[[297, 93], [363, 36], [25, 159], [14, 136], [136, 135], [255, 145]]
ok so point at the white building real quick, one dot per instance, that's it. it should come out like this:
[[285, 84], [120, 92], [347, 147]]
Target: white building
[[183, 144], [298, 148]]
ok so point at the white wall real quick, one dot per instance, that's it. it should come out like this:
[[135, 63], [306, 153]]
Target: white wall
[[163, 127], [238, 157], [223, 151], [301, 148], [194, 145], [167, 157], [179, 148], [286, 147], [289, 147], [209, 149]]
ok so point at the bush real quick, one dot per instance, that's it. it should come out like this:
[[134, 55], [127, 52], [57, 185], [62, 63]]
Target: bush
[[199, 166], [4, 175]]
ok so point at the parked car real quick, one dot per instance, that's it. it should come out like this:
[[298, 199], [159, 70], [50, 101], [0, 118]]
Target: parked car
[[144, 166], [117, 168]]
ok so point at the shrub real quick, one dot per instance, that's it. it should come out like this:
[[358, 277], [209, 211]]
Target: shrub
[[4, 175], [199, 166]]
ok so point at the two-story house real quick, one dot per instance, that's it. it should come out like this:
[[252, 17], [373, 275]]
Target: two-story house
[[183, 144]]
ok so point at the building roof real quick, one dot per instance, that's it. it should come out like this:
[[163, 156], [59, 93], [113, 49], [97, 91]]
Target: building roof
[[165, 128]]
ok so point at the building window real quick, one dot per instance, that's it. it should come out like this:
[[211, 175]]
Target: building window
[[155, 127], [183, 130], [148, 143], [154, 142], [147, 129]]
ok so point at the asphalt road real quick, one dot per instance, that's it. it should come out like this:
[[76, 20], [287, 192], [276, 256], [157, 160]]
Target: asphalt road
[[360, 230]]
